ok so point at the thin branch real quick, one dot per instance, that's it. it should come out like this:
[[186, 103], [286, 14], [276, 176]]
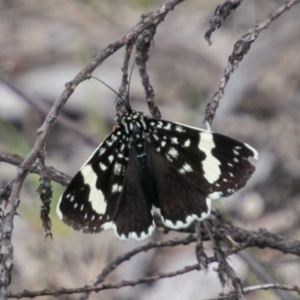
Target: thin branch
[[263, 239], [241, 48], [142, 55], [261, 287], [45, 192], [124, 283], [221, 13], [284, 287], [123, 90], [246, 239], [51, 172], [225, 272], [119, 260]]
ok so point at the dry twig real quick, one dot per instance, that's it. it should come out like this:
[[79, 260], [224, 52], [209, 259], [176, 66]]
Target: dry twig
[[241, 48]]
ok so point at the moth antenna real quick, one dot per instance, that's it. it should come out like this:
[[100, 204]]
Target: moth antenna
[[130, 75], [113, 90]]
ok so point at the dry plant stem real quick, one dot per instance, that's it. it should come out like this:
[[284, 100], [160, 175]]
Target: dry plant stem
[[45, 192], [284, 287], [119, 285], [187, 269], [247, 238], [151, 245], [6, 252], [123, 90], [268, 286], [221, 13], [127, 56], [124, 283], [199, 250], [241, 48], [226, 273], [142, 55], [51, 172], [119, 260]]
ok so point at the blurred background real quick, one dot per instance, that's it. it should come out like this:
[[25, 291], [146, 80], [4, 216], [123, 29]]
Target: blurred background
[[44, 44]]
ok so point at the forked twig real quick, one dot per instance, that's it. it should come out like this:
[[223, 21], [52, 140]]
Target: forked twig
[[241, 48]]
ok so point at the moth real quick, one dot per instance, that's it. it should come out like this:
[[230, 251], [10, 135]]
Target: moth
[[148, 166]]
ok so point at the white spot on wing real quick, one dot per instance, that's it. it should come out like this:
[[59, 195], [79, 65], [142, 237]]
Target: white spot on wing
[[159, 124], [155, 137], [109, 142], [211, 165], [116, 188], [174, 140], [236, 152], [169, 158], [186, 168], [187, 143], [117, 168], [103, 167], [168, 126], [179, 129], [173, 152]]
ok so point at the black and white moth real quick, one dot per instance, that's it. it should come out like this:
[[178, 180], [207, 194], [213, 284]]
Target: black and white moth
[[148, 166]]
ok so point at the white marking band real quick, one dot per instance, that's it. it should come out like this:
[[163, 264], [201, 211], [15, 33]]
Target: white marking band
[[210, 165], [96, 196]]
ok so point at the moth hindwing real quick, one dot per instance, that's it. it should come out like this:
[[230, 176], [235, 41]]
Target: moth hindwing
[[148, 166]]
